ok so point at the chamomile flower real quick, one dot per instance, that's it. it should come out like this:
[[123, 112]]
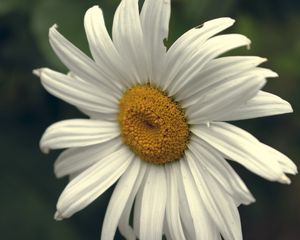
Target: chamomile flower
[[157, 125]]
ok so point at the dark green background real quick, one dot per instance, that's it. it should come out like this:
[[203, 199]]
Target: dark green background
[[28, 187]]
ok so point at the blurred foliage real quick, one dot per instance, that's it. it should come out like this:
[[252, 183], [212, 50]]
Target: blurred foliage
[[28, 187]]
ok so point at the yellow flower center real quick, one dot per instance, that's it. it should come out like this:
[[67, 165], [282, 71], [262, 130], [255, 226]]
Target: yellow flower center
[[153, 125]]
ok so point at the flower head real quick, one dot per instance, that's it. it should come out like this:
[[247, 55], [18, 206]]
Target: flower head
[[157, 125]]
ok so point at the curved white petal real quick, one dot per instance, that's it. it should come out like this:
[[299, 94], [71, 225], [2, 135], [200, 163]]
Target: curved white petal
[[287, 165], [74, 160], [184, 209], [75, 174], [80, 64], [99, 115], [173, 221], [240, 146], [261, 105], [220, 170], [204, 228], [138, 206], [91, 183], [219, 205], [203, 54], [78, 133], [124, 225], [119, 199], [77, 92], [153, 204], [211, 83], [129, 40], [187, 45], [106, 116], [224, 80], [220, 98], [102, 48], [217, 70], [212, 48], [155, 16]]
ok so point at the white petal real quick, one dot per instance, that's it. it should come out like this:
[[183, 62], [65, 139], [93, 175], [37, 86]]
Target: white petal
[[138, 206], [102, 47], [78, 92], [220, 170], [77, 159], [217, 100], [184, 209], [80, 64], [219, 205], [124, 225], [78, 133], [212, 48], [263, 104], [216, 71], [155, 16], [106, 116], [187, 45], [119, 199], [223, 80], [240, 146], [172, 207], [98, 115], [286, 164], [90, 184], [153, 204], [204, 228], [75, 174], [128, 39]]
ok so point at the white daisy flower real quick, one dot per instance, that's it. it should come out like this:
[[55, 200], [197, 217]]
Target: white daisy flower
[[156, 125]]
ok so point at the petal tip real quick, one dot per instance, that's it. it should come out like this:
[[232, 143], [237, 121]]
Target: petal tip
[[261, 60], [294, 170], [93, 9], [58, 216], [230, 21], [284, 179], [248, 43], [287, 107], [37, 72], [272, 74], [52, 29], [56, 172], [43, 147], [54, 26], [250, 201], [44, 150], [57, 169]]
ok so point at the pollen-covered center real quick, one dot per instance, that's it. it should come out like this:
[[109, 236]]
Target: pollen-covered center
[[153, 125]]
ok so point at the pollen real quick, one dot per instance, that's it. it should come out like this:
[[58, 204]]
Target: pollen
[[153, 125]]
